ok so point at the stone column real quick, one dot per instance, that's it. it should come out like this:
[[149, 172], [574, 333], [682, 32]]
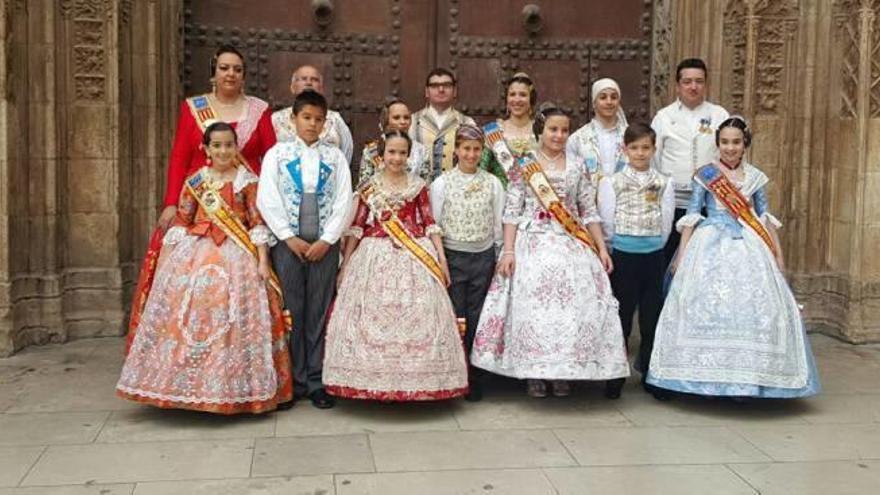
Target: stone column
[[89, 99]]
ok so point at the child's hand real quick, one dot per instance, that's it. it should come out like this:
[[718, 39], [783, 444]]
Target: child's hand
[[317, 251], [506, 265], [606, 261], [444, 267], [264, 270], [298, 246], [166, 217]]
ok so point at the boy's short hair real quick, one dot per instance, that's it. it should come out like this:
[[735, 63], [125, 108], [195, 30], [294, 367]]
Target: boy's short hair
[[309, 97], [639, 130]]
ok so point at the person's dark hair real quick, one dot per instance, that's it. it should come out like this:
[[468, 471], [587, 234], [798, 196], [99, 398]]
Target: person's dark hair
[[218, 126], [545, 111], [309, 97], [739, 123], [440, 71], [396, 133], [227, 49], [691, 63], [385, 114], [523, 78], [638, 130]]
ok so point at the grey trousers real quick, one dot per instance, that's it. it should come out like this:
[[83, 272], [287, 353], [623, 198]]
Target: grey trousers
[[308, 290], [471, 275]]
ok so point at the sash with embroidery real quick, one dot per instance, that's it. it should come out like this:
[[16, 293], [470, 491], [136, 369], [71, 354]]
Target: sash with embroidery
[[726, 193], [537, 180], [402, 238], [222, 216], [495, 138], [202, 111]]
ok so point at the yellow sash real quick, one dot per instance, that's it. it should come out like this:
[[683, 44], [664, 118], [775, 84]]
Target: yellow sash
[[204, 115], [730, 196], [221, 215], [534, 176], [402, 238]]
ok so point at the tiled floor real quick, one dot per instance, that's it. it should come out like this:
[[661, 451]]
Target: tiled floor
[[62, 431]]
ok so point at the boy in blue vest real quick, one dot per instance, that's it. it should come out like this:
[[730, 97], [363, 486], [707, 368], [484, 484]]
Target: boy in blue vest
[[304, 196]]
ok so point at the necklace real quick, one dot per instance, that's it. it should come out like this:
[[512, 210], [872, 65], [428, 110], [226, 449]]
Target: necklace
[[549, 159]]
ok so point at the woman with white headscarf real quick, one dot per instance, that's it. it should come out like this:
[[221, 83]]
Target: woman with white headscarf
[[598, 146]]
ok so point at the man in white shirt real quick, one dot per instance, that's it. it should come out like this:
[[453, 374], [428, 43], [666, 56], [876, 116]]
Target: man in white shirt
[[435, 125], [304, 197], [335, 132], [686, 136]]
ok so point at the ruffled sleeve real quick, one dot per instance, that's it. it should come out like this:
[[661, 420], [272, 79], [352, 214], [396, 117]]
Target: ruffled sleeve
[[762, 205], [695, 207], [423, 204], [586, 198]]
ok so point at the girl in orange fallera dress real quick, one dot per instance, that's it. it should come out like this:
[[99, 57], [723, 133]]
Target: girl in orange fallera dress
[[212, 334]]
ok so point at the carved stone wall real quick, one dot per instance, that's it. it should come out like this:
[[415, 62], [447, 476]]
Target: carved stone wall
[[89, 90]]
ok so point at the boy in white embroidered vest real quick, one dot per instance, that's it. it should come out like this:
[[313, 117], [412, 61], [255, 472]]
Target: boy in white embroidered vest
[[637, 205], [468, 203], [304, 196]]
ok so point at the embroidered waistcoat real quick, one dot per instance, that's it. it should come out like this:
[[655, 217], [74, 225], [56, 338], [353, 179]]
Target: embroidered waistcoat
[[468, 212], [637, 210], [292, 184]]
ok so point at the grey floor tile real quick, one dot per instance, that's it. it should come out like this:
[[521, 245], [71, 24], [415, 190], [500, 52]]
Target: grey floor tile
[[304, 485], [50, 428], [152, 424], [293, 456], [815, 442], [518, 412], [125, 463], [678, 480], [467, 450], [364, 417], [116, 489], [813, 478], [15, 463], [495, 482], [658, 445]]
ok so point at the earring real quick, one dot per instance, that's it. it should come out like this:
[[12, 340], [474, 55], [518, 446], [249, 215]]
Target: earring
[[213, 86]]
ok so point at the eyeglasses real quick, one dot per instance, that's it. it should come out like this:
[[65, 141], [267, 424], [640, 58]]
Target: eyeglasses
[[444, 85]]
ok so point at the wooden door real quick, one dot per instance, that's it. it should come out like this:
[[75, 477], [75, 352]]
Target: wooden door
[[370, 49]]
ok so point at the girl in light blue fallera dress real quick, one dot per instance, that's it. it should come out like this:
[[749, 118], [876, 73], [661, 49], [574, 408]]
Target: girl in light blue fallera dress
[[730, 325]]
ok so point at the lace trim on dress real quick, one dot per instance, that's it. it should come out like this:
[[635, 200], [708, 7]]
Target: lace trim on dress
[[262, 235], [242, 179], [174, 235], [246, 127], [770, 220], [689, 220]]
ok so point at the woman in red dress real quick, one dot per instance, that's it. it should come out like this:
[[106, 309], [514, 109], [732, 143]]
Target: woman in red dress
[[249, 116]]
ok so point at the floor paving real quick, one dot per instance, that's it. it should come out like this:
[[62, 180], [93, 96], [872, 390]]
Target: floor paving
[[63, 431]]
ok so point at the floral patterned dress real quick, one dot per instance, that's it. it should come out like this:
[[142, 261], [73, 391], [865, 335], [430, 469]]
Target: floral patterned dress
[[212, 335], [556, 317], [392, 334]]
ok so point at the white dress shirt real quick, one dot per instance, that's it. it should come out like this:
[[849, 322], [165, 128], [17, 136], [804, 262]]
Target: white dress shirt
[[273, 204], [686, 142]]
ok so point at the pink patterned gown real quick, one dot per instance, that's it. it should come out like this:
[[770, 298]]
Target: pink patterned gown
[[393, 335]]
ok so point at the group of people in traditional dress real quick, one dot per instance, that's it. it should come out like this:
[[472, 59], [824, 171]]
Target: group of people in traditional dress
[[518, 248]]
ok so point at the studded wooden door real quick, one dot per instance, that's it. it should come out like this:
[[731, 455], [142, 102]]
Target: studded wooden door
[[369, 49]]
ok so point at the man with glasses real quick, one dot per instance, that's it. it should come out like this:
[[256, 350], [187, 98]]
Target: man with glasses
[[435, 125], [335, 133]]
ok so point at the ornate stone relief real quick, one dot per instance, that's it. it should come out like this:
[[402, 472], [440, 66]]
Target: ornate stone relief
[[875, 62], [89, 56], [735, 40], [847, 34], [661, 62]]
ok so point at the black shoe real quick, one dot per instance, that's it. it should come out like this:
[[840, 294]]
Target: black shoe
[[321, 399], [475, 393], [660, 394], [285, 405], [613, 388]]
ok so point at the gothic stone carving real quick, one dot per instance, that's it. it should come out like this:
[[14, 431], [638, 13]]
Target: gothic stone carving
[[88, 19]]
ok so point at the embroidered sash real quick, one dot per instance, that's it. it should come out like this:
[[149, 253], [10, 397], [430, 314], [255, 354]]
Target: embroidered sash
[[222, 216], [534, 176], [495, 138], [202, 111], [726, 193], [402, 238]]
